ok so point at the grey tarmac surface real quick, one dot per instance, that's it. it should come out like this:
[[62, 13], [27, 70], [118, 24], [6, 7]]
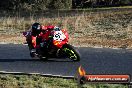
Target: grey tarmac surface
[[15, 58]]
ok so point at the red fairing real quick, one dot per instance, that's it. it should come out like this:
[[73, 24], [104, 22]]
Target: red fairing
[[34, 41], [66, 34], [59, 44]]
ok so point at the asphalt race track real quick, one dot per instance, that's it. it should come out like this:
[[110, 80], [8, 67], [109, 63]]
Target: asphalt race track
[[15, 58]]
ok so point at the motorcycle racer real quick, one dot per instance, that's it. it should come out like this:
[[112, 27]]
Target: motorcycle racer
[[38, 35], [50, 42]]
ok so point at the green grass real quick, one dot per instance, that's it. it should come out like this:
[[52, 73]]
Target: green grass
[[37, 81]]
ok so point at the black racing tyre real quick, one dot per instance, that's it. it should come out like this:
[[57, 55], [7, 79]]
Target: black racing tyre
[[71, 52], [32, 55]]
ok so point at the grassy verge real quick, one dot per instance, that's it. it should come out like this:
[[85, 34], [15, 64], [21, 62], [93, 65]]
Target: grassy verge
[[37, 81]]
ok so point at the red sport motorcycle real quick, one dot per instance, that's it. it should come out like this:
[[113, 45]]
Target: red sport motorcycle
[[56, 47]]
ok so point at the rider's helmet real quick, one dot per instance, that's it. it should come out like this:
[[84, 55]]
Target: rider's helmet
[[36, 29]]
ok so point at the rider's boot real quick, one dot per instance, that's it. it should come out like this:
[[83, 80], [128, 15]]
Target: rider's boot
[[32, 53]]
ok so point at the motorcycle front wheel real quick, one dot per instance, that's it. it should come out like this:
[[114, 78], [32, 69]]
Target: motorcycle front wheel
[[70, 52]]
